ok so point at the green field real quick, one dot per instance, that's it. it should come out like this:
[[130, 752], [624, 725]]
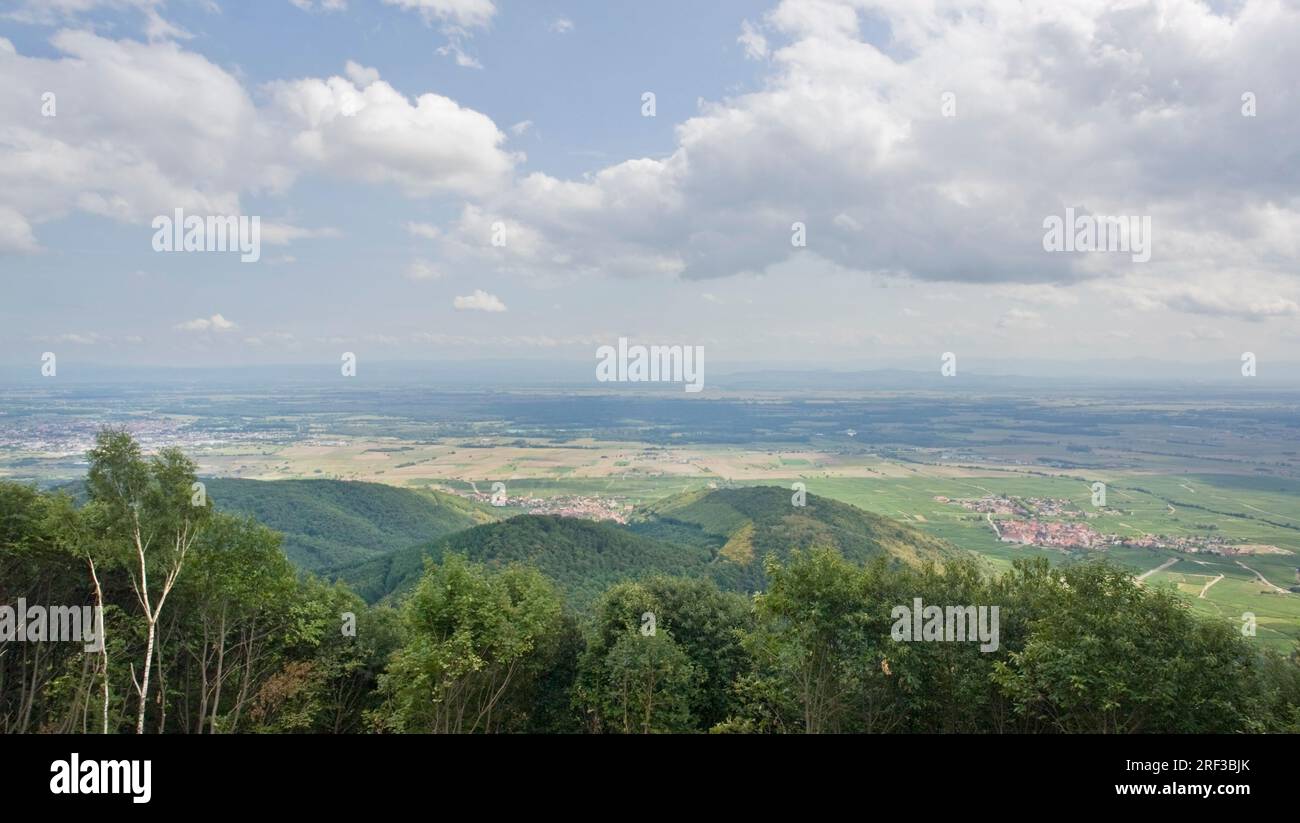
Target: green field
[[1255, 512], [1243, 509]]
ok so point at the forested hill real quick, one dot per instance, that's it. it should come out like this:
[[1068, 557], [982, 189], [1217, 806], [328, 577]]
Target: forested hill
[[721, 534], [742, 526], [242, 642], [582, 556], [331, 523]]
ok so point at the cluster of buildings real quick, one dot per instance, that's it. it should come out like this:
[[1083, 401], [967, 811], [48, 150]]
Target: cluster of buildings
[[584, 506], [1074, 535], [1018, 506], [1052, 534], [72, 437], [1196, 545]]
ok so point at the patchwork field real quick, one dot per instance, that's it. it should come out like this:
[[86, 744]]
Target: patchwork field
[[1221, 467]]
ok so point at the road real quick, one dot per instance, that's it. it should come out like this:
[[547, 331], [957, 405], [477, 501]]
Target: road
[[1207, 586], [1263, 579], [1144, 575]]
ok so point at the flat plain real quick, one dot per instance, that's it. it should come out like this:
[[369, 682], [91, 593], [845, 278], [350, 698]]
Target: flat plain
[[1176, 463]]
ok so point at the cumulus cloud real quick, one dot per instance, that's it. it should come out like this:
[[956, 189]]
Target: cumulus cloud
[[142, 129], [479, 301], [362, 128], [1112, 108], [215, 323], [1121, 107]]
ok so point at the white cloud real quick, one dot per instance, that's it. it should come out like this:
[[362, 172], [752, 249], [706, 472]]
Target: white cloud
[[281, 234], [1226, 293], [1042, 294], [422, 270], [215, 323], [361, 75], [320, 5], [1022, 320], [561, 25], [56, 12], [141, 129], [463, 58], [464, 13], [376, 134], [76, 338], [479, 301], [144, 128], [753, 40], [15, 232], [1126, 108]]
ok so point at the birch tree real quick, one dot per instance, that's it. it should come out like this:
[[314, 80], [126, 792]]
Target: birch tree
[[152, 521]]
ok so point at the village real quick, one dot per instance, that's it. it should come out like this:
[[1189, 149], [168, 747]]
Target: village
[[1069, 534], [588, 507]]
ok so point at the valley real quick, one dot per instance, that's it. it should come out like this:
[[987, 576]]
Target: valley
[[1199, 482]]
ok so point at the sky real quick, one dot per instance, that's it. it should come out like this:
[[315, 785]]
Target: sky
[[823, 182]]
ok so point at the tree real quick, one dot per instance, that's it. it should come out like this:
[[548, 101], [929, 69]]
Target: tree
[[1107, 655], [649, 682], [473, 634], [701, 623], [73, 530], [810, 640], [152, 518]]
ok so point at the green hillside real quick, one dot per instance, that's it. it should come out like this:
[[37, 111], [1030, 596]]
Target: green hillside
[[332, 523], [741, 526], [721, 534], [582, 556]]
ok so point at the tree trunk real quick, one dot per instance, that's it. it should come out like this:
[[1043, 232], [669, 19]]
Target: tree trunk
[[103, 642], [144, 681]]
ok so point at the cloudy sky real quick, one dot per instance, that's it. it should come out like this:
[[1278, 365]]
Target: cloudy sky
[[385, 145]]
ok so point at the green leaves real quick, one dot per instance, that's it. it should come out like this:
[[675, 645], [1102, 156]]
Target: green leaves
[[474, 634]]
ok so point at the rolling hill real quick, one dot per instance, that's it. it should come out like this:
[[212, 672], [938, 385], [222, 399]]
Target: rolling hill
[[332, 523], [582, 556], [741, 526], [722, 534]]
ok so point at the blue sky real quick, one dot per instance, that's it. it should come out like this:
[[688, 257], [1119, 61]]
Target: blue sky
[[379, 141]]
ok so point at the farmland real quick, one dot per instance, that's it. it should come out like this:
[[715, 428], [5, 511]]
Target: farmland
[[1217, 466]]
